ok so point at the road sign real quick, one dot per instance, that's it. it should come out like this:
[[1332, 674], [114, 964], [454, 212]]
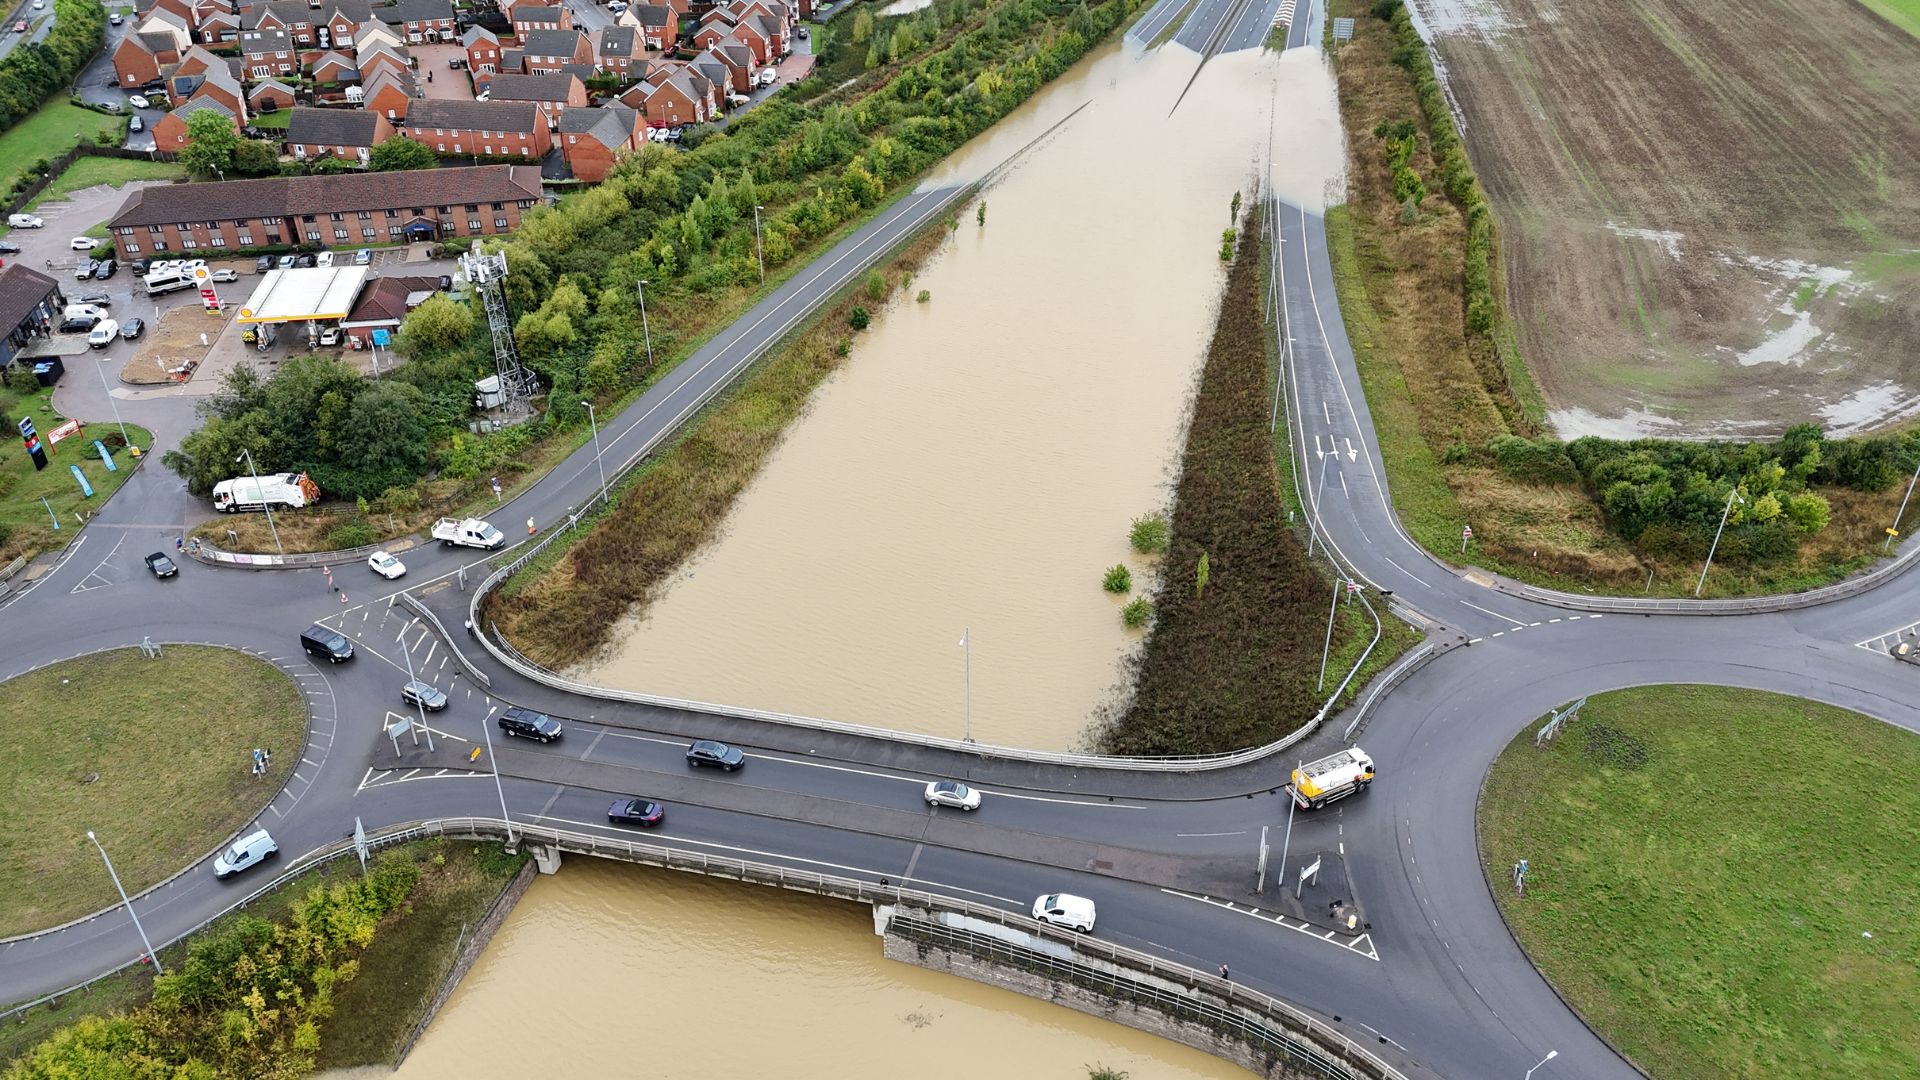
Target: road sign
[[382, 338], [360, 846], [1311, 870], [1466, 533]]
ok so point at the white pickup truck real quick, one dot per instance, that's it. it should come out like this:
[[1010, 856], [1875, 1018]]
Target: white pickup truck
[[1335, 776], [472, 533]]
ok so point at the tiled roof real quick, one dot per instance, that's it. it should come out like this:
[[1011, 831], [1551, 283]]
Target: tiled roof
[[259, 41], [617, 41], [21, 289], [447, 115], [279, 196], [612, 125], [479, 33], [202, 104], [537, 15], [384, 299], [557, 86], [415, 11], [333, 127], [550, 42], [652, 14]]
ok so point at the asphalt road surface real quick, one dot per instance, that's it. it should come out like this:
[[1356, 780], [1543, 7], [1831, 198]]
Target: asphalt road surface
[[1436, 984]]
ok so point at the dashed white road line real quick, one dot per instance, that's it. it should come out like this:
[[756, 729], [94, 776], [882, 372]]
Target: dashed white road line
[[1359, 946]]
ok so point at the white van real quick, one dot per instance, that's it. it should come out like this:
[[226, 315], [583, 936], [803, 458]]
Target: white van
[[83, 311], [245, 852], [1065, 909], [24, 221]]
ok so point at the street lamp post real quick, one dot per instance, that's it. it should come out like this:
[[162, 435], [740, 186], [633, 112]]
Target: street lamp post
[[1551, 1054], [966, 647], [759, 251], [486, 732], [151, 955], [595, 421], [124, 437], [1313, 512], [644, 329], [264, 505], [1724, 514], [417, 701], [1895, 531], [1326, 647]]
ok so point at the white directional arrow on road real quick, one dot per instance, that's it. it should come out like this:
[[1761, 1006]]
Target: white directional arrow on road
[[1317, 452], [1352, 454]]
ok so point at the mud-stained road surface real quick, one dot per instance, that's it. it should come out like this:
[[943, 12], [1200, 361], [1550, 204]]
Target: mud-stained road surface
[[1710, 208]]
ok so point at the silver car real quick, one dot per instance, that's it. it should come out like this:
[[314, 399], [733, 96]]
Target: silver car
[[952, 793], [425, 695]]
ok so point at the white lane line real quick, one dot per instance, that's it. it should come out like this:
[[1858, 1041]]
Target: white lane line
[[1495, 614], [1241, 832], [1359, 946], [777, 855], [1405, 571]]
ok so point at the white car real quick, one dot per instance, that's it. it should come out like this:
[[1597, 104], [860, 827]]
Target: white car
[[83, 243], [139, 101], [103, 333], [385, 565], [1065, 909], [768, 76], [952, 793], [325, 258], [245, 852], [737, 100], [226, 273]]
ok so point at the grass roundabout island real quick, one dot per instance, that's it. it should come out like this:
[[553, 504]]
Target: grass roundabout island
[[1723, 882], [152, 755]]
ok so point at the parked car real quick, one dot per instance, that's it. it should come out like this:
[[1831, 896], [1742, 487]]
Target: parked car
[[384, 564], [952, 793], [25, 221], [245, 852], [363, 257], [802, 33], [79, 324], [285, 262], [642, 812], [737, 100], [1065, 909], [425, 695], [226, 273], [445, 283], [161, 566], [139, 101], [708, 752], [529, 724], [99, 298], [111, 107], [85, 268], [263, 264], [114, 19], [83, 243], [305, 261], [9, 249], [768, 76], [105, 270], [456, 63], [102, 334], [136, 124], [139, 267], [132, 329], [325, 258]]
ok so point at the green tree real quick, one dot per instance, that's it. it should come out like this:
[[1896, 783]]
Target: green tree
[[211, 140], [383, 439], [862, 27], [859, 318], [251, 158], [437, 324], [401, 154]]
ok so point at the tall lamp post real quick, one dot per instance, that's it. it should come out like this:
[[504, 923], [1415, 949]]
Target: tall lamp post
[[644, 329], [1724, 514], [418, 701], [264, 505], [595, 421], [486, 732], [124, 437], [1551, 1054], [966, 647], [759, 251], [151, 955], [1902, 512]]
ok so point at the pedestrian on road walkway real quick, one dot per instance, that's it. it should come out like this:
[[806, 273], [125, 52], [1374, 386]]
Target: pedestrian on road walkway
[[1225, 974]]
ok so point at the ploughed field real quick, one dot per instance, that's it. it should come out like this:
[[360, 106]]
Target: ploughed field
[[1710, 209]]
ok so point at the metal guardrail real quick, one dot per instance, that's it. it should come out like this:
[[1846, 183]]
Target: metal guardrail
[[1745, 605], [299, 560], [1413, 662], [407, 600]]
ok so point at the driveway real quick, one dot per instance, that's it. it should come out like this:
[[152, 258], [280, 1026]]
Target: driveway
[[47, 249], [447, 84]]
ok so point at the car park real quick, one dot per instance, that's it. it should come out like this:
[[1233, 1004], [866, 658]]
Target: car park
[[102, 334], [245, 852], [161, 566], [708, 752], [324, 641], [131, 329], [25, 221], [642, 812], [425, 695], [226, 273], [1065, 909], [83, 243], [528, 724], [952, 793], [384, 564]]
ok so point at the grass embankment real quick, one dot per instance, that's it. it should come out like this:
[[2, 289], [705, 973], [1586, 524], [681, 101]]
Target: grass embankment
[[1231, 664], [560, 610], [372, 1012], [1721, 881], [1420, 287], [52, 130], [25, 528], [152, 755], [89, 172]]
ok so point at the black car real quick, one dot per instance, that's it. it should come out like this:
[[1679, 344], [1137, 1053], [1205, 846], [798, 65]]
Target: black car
[[139, 267], [529, 724], [446, 283], [99, 298], [9, 249], [105, 270], [305, 261], [642, 812], [81, 325], [161, 566], [132, 329], [324, 641], [264, 264], [708, 752], [425, 695]]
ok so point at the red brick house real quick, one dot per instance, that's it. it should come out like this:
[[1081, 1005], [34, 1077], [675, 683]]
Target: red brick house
[[218, 28], [268, 53], [592, 140], [674, 94], [383, 304], [547, 51], [527, 19], [170, 131], [347, 134], [348, 208], [740, 62], [617, 48], [480, 128], [389, 94], [269, 96], [553, 93], [659, 25], [420, 21], [483, 50], [291, 17], [140, 58], [375, 59], [335, 67]]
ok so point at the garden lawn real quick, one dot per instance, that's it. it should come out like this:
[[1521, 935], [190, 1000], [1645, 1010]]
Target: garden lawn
[[273, 121], [153, 755], [25, 528], [50, 132], [89, 172], [1721, 881]]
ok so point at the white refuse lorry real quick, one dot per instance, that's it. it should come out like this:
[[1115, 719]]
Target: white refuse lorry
[[472, 533], [282, 491], [1335, 776]]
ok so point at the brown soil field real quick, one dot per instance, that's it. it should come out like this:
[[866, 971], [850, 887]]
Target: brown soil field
[[1709, 210]]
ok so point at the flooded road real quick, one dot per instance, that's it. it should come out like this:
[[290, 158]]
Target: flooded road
[[976, 464], [616, 971]]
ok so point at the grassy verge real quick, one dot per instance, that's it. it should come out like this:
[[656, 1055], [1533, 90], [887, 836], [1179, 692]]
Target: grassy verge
[[1229, 662], [25, 525], [87, 760], [89, 172], [273, 121], [1719, 880], [559, 610], [1904, 14], [52, 130], [398, 973]]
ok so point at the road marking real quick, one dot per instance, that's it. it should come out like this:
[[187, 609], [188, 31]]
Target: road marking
[[1359, 946], [1242, 832], [1495, 614], [1885, 642]]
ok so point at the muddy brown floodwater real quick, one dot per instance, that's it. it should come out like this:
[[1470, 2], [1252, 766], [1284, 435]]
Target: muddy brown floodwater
[[977, 462], [608, 970]]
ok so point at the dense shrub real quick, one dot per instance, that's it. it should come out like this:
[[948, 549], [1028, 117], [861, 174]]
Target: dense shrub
[[1533, 462], [35, 71]]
